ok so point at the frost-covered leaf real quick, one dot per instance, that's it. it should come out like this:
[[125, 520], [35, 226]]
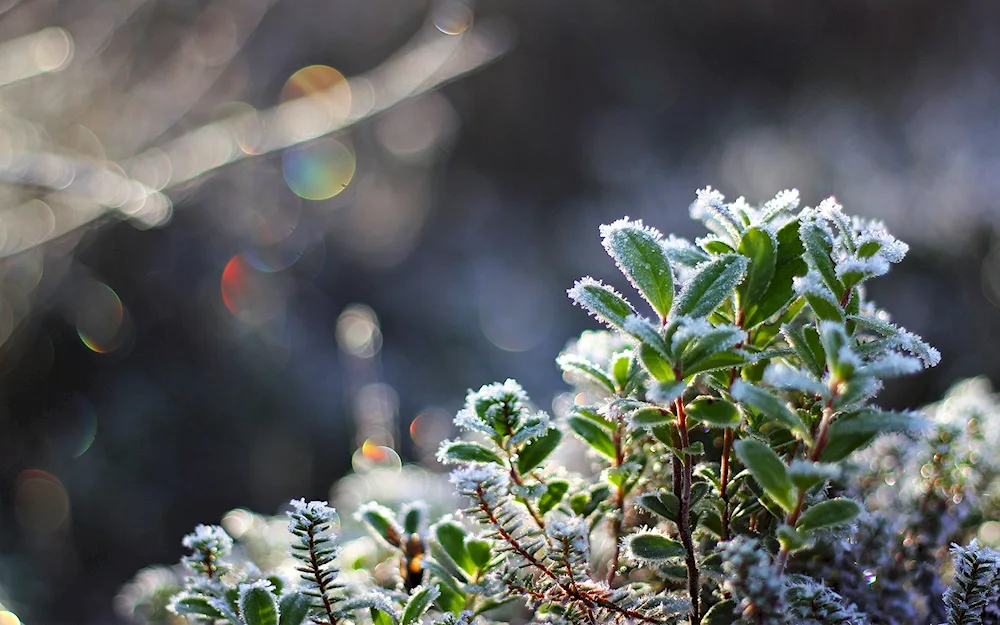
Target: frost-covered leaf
[[663, 503], [593, 435], [805, 474], [710, 207], [554, 492], [819, 247], [789, 265], [852, 432], [722, 613], [601, 301], [710, 286], [890, 366], [451, 536], [640, 256], [781, 376], [682, 252], [783, 202], [651, 548], [840, 357], [536, 451], [721, 360], [420, 601], [381, 521], [829, 513], [258, 605], [768, 470], [195, 606], [655, 364], [821, 299], [649, 335], [718, 339], [714, 412], [760, 247], [770, 406], [577, 366], [294, 608], [664, 393], [806, 343], [466, 451], [650, 417]]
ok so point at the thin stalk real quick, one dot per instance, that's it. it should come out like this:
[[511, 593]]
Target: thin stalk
[[619, 517], [684, 524]]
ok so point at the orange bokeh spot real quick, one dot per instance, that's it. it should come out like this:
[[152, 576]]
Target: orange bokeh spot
[[234, 284]]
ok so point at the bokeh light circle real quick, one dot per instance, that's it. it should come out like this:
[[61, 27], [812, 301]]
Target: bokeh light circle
[[41, 504], [453, 18], [318, 170]]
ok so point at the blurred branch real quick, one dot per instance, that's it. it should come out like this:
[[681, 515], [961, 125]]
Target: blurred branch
[[134, 188]]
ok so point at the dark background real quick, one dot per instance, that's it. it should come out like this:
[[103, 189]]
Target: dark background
[[463, 248]]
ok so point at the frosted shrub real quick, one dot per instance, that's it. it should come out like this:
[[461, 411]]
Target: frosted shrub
[[729, 423]]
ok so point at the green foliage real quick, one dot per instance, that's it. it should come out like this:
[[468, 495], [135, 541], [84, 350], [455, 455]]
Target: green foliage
[[724, 435]]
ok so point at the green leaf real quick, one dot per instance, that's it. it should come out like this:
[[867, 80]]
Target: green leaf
[[791, 539], [436, 567], [789, 264], [575, 365], [722, 613], [803, 340], [413, 519], [655, 364], [553, 495], [640, 256], [451, 598], [589, 413], [536, 451], [420, 602], [621, 363], [713, 283], [818, 248], [823, 303], [663, 503], [258, 605], [770, 406], [710, 343], [651, 417], [196, 605], [593, 435], [479, 550], [294, 608], [648, 333], [855, 431], [602, 302], [768, 470], [714, 412], [451, 536], [761, 248], [380, 618], [470, 452], [721, 360], [839, 357], [828, 513], [649, 546]]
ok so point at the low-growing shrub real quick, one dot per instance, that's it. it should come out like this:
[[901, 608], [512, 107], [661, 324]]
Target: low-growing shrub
[[736, 469]]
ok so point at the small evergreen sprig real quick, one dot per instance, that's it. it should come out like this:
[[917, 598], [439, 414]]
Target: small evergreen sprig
[[974, 597], [310, 523], [726, 427]]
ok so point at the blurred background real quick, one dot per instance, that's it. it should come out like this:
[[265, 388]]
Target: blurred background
[[249, 246]]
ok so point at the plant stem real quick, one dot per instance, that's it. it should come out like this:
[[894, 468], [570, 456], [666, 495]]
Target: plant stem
[[814, 455], [684, 516], [618, 522], [727, 450], [727, 446]]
